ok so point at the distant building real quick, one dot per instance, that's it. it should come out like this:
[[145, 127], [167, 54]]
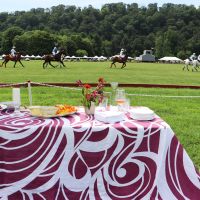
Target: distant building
[[147, 56]]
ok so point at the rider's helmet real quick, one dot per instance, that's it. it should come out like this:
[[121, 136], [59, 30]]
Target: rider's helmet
[[13, 47]]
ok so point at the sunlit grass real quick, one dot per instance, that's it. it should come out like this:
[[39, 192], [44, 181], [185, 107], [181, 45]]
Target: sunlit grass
[[183, 114], [154, 73]]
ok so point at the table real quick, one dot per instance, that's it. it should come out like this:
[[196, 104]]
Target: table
[[78, 157]]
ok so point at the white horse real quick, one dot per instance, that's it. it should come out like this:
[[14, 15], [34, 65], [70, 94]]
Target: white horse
[[195, 64]]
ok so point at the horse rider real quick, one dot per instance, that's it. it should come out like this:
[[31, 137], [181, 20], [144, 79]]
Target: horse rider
[[193, 57], [55, 50], [13, 52], [122, 53], [198, 58]]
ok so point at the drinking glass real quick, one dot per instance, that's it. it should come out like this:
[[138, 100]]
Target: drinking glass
[[126, 105], [114, 86], [16, 99], [104, 104], [120, 98], [16, 107]]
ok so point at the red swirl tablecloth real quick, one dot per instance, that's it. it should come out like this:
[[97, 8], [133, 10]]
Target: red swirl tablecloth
[[79, 158]]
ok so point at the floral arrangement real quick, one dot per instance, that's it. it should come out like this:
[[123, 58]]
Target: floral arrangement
[[90, 95]]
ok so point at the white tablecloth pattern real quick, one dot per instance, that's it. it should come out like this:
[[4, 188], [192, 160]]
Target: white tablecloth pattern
[[78, 157]]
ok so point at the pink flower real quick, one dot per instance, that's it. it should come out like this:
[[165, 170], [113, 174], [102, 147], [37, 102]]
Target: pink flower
[[89, 95]]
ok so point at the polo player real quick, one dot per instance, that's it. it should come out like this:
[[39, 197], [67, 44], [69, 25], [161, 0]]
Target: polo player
[[198, 58], [193, 57], [13, 52]]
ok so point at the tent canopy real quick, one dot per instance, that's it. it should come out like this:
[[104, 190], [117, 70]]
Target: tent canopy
[[166, 58]]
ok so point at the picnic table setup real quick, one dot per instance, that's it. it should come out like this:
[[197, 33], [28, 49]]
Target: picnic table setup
[[108, 152]]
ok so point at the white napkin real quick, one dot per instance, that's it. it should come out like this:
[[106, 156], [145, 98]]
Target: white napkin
[[109, 116], [142, 113]]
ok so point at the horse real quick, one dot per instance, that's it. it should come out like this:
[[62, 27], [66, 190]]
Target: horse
[[57, 57], [119, 59], [16, 58], [195, 64]]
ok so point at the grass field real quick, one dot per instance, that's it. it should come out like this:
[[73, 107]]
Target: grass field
[[90, 71], [183, 114]]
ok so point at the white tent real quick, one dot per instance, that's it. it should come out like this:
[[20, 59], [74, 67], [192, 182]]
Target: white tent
[[102, 58], [32, 57], [170, 59], [38, 57]]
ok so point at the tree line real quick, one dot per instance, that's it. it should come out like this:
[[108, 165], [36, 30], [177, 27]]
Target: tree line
[[171, 30]]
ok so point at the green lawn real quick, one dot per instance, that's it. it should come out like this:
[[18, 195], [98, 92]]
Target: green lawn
[[90, 71], [183, 114]]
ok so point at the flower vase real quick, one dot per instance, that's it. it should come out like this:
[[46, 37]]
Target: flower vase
[[91, 110]]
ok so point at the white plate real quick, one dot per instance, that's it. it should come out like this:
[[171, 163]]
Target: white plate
[[142, 113], [2, 106], [47, 112]]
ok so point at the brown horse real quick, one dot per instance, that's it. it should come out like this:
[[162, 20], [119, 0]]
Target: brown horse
[[16, 58], [58, 57], [119, 59]]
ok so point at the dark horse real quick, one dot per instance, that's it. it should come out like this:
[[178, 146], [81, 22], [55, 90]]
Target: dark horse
[[16, 58], [58, 57], [119, 59]]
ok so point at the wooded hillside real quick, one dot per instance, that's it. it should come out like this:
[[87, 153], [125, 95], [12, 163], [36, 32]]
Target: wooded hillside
[[171, 30]]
